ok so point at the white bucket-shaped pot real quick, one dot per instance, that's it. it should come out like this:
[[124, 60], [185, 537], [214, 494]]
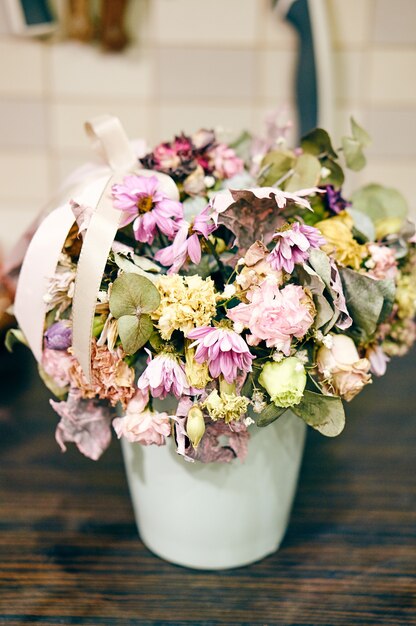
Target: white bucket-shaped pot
[[217, 515]]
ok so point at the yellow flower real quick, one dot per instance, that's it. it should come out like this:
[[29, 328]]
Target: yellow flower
[[340, 242], [406, 296], [186, 302]]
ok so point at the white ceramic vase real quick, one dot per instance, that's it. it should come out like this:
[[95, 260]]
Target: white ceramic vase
[[217, 515]]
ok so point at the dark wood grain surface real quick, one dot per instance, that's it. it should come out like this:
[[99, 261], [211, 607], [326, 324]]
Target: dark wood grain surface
[[70, 554]]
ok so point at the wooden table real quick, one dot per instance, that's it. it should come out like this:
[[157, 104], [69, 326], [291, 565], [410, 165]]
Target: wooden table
[[70, 554]]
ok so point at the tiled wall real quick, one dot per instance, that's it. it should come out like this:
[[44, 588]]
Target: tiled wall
[[194, 63]]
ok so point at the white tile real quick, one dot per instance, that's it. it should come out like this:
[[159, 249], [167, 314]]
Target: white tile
[[173, 119], [275, 31], [393, 132], [349, 72], [197, 21], [22, 123], [15, 218], [24, 175], [393, 76], [394, 22], [84, 71], [21, 67], [206, 73], [350, 21], [67, 122], [277, 75]]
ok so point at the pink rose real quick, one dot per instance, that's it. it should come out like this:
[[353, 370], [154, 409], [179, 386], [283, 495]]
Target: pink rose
[[342, 370], [141, 425]]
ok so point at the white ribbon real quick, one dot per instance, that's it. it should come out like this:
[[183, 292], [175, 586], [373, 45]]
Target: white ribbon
[[38, 267], [109, 139]]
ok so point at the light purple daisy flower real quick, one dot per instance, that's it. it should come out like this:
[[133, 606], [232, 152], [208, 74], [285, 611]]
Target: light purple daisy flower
[[293, 246], [144, 204], [186, 243], [224, 350], [164, 374]]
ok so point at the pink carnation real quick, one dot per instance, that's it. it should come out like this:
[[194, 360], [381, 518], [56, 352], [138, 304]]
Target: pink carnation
[[140, 425], [144, 204], [164, 374], [384, 262], [225, 351], [57, 365], [274, 315]]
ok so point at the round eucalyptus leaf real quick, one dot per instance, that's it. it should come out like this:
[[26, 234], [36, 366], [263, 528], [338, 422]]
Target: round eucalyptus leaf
[[132, 294], [134, 332]]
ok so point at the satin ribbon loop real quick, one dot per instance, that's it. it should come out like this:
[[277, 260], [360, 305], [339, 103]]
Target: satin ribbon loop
[[109, 140]]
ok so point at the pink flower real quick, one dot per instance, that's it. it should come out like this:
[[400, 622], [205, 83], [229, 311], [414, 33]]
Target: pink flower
[[57, 365], [147, 207], [224, 350], [293, 245], [224, 162], [83, 422], [384, 262], [274, 315], [140, 425], [185, 246], [378, 360], [164, 374], [222, 443]]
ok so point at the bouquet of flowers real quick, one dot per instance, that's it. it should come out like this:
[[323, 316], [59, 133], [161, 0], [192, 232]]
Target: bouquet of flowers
[[240, 284]]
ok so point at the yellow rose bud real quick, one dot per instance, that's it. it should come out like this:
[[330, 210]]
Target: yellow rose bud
[[195, 425], [284, 381], [196, 373]]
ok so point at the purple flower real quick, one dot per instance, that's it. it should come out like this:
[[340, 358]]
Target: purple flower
[[336, 203], [185, 246], [58, 336], [164, 374], [293, 245], [144, 204], [224, 350]]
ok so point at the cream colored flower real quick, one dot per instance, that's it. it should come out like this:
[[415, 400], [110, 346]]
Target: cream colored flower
[[342, 370], [187, 302], [227, 406], [196, 373]]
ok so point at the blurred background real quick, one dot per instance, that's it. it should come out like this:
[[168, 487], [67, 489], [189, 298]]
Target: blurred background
[[193, 63]]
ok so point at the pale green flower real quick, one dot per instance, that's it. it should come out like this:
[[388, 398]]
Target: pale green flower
[[284, 381]]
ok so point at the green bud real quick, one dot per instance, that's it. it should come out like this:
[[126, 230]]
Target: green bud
[[195, 425]]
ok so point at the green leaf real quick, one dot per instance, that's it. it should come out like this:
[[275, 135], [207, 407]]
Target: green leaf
[[276, 165], [318, 142], [136, 265], [270, 414], [324, 413], [336, 176], [133, 295], [306, 175], [325, 314], [14, 336], [380, 202], [134, 332], [363, 226], [353, 153], [368, 301], [360, 134]]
